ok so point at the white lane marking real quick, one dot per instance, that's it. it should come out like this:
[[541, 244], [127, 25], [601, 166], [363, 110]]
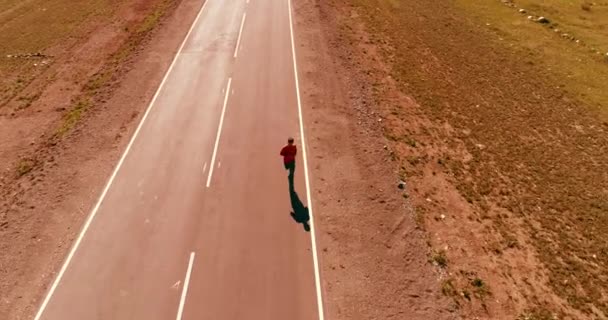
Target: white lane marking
[[238, 40], [93, 213], [182, 300], [312, 227], [219, 133], [205, 167]]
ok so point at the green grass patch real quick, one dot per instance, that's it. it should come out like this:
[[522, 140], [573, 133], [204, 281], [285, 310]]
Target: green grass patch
[[74, 115]]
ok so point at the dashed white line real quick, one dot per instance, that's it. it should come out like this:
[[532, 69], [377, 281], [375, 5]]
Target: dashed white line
[[182, 300], [93, 213], [219, 133], [205, 167], [312, 228], [238, 40]]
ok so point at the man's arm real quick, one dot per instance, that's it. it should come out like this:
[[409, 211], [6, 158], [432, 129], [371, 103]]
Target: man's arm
[[283, 151]]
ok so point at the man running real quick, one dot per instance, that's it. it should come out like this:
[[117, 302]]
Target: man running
[[289, 158]]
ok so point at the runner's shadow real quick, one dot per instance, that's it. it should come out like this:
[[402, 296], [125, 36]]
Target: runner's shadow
[[299, 212]]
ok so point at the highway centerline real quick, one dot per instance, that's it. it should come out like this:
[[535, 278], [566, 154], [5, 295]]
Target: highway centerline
[[238, 40], [182, 300], [219, 133]]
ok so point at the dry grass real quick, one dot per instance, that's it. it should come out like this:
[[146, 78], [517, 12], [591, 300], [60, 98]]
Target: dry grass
[[577, 67], [31, 26], [25, 166], [116, 65], [537, 314], [439, 258], [448, 288]]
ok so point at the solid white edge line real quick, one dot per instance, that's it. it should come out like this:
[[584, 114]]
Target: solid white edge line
[[219, 133], [93, 213], [312, 227], [182, 300], [238, 40]]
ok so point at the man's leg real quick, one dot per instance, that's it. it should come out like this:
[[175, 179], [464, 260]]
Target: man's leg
[[292, 169]]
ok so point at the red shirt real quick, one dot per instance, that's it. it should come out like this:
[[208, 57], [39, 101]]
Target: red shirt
[[289, 153]]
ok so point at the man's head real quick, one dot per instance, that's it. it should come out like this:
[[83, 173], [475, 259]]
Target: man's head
[[290, 141]]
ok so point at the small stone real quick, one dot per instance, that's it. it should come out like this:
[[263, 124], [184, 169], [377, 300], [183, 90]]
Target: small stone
[[442, 216], [594, 257], [542, 20], [401, 185], [530, 17], [522, 10]]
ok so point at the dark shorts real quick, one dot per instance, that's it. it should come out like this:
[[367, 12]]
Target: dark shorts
[[290, 165]]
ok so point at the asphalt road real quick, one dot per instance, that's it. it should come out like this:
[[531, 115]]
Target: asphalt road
[[195, 222]]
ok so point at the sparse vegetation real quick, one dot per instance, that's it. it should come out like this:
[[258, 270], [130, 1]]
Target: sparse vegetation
[[110, 72], [477, 286], [28, 27], [26, 101], [527, 114], [439, 258], [448, 289], [25, 166], [73, 116], [537, 314]]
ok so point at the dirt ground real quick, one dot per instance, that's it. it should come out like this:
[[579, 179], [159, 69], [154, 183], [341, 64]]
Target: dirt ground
[[374, 257], [504, 161]]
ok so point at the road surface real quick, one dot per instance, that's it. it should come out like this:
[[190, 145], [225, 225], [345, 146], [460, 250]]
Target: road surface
[[195, 221]]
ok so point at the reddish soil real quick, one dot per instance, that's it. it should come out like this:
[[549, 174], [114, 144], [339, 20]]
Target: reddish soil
[[504, 170], [374, 256]]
